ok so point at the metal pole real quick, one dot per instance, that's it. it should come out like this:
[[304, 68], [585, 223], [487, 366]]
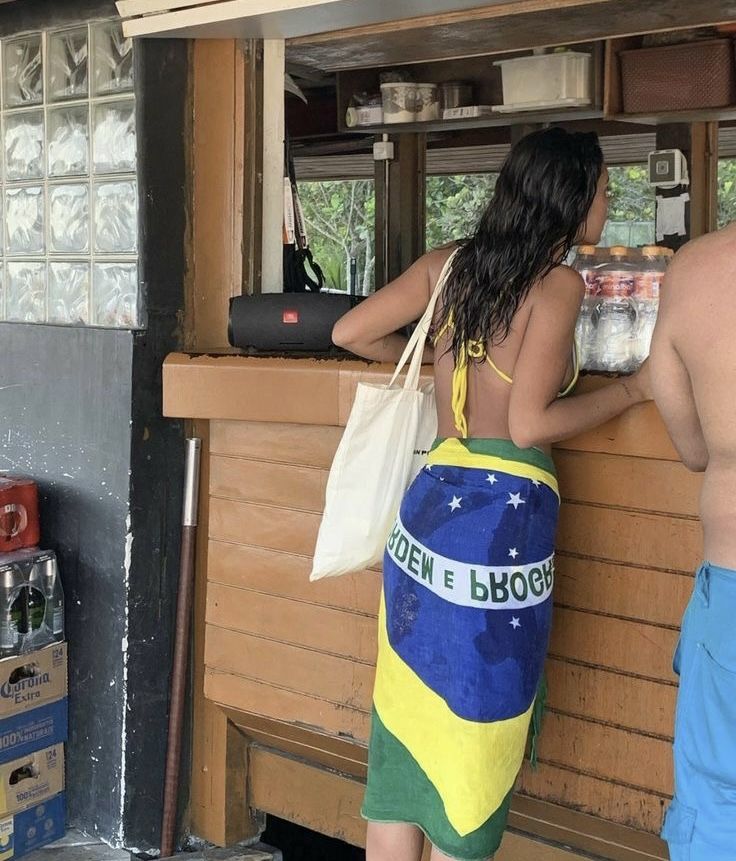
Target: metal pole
[[181, 645]]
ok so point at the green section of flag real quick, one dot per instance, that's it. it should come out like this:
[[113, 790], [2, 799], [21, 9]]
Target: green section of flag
[[399, 791]]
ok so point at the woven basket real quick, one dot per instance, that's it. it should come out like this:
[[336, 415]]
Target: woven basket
[[678, 77]]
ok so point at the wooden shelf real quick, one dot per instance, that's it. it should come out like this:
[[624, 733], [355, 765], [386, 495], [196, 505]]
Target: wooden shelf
[[694, 116], [486, 79], [563, 114]]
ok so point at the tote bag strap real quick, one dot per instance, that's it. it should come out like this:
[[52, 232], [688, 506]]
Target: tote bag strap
[[414, 349]]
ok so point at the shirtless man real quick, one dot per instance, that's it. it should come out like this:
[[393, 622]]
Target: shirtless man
[[693, 371]]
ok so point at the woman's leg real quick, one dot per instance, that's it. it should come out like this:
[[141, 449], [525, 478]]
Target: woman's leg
[[393, 841]]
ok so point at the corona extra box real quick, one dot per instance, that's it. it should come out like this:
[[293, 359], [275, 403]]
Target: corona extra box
[[32, 809], [33, 703]]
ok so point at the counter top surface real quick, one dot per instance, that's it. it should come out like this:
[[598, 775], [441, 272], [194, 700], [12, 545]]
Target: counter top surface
[[320, 391]]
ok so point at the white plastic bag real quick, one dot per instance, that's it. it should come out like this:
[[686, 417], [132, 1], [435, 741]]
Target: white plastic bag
[[386, 440]]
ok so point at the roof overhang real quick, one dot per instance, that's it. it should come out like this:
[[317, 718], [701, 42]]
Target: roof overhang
[[274, 19]]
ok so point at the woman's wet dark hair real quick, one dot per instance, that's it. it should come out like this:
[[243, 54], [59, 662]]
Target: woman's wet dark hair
[[541, 201]]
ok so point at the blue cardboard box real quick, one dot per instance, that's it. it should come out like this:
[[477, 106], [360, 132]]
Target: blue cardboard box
[[30, 731], [32, 828]]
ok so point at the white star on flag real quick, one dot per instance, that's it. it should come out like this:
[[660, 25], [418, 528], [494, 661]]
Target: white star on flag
[[455, 504], [515, 500], [515, 623], [491, 478], [513, 552], [536, 482]]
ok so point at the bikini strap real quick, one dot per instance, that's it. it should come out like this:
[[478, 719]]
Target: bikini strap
[[575, 371]]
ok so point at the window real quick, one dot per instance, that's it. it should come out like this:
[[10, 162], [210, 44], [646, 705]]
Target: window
[[340, 216], [726, 191], [454, 205], [631, 207], [456, 201], [69, 190]]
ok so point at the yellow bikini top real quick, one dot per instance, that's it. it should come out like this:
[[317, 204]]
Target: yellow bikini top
[[476, 350]]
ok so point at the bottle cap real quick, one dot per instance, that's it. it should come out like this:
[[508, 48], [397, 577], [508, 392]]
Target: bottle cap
[[587, 249], [619, 251], [651, 251]]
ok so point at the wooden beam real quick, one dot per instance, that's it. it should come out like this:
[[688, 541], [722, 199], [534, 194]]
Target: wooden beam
[[272, 217], [217, 166], [277, 19], [406, 203], [252, 167], [500, 29], [703, 178]]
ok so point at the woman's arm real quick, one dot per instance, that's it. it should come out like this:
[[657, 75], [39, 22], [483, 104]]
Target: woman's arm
[[536, 415], [369, 330]]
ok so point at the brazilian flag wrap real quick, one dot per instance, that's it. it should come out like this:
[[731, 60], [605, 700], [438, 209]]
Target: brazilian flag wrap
[[463, 632]]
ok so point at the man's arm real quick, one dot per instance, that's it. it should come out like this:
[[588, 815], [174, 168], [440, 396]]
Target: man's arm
[[673, 394]]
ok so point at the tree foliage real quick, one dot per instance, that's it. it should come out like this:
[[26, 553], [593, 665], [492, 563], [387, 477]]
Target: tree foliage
[[340, 215], [454, 205], [726, 191]]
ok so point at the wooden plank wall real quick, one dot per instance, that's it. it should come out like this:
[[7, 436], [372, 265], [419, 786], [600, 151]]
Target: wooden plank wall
[[628, 542], [304, 653]]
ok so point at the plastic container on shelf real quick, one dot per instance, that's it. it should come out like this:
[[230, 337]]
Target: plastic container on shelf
[[399, 101], [546, 80], [455, 94], [426, 102], [614, 317], [364, 115]]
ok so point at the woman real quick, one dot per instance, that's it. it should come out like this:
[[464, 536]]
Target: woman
[[466, 610]]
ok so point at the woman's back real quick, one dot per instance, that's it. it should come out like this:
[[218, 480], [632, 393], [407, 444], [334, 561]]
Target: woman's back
[[489, 381]]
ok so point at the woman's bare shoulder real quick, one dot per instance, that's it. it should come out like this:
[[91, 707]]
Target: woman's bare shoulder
[[436, 259], [560, 285]]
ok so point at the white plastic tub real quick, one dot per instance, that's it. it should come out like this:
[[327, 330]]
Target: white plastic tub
[[399, 102], [546, 80]]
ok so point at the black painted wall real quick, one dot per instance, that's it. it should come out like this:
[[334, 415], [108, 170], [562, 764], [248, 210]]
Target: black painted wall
[[80, 409]]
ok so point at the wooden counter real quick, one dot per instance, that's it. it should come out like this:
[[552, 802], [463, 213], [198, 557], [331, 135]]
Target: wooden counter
[[290, 664]]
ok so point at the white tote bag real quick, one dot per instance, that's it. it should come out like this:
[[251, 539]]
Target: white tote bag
[[386, 440]]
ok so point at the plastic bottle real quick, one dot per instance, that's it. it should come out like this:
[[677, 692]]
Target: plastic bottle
[[585, 263], [54, 600], [10, 611], [647, 285], [614, 317]]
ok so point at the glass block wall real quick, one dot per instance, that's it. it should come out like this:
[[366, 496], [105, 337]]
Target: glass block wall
[[69, 192]]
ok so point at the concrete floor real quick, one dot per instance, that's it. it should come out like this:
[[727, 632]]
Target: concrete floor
[[76, 846]]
